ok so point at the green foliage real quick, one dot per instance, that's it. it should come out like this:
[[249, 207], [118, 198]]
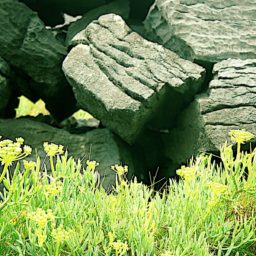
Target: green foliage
[[211, 211], [28, 108]]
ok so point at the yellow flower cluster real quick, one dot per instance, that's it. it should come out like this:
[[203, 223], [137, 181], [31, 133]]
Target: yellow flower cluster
[[91, 165], [166, 253], [29, 165], [119, 169], [52, 149], [240, 136], [120, 247], [187, 172], [41, 218], [53, 188], [11, 151], [217, 188], [60, 234]]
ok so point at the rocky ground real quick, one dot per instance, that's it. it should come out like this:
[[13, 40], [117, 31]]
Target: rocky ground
[[166, 79]]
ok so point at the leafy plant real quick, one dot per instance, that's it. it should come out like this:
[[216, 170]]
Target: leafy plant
[[64, 211]]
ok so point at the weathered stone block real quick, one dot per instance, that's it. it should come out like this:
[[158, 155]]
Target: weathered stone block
[[123, 79], [208, 31], [230, 104]]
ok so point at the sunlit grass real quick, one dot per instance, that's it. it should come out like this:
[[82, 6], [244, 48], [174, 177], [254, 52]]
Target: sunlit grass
[[28, 108]]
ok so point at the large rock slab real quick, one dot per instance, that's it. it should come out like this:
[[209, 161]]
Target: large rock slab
[[123, 80], [28, 45], [5, 89], [5, 92], [230, 104], [100, 144], [119, 7], [208, 31]]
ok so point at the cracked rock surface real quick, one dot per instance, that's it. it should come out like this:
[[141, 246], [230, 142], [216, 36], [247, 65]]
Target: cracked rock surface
[[5, 90], [100, 145], [123, 79], [29, 46], [230, 104], [208, 30]]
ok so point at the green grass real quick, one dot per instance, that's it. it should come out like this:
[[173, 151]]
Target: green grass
[[210, 211]]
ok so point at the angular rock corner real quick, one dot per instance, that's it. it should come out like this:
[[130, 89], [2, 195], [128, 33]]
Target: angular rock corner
[[123, 79]]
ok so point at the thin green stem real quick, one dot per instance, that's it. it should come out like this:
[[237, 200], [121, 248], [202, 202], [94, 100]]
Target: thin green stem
[[238, 151], [52, 167], [4, 172], [6, 201], [57, 248]]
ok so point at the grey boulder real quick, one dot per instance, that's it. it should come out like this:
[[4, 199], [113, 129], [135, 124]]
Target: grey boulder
[[5, 89], [28, 45], [207, 31], [124, 80], [230, 104]]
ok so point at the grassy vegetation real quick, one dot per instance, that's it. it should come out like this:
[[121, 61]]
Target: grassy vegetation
[[64, 211]]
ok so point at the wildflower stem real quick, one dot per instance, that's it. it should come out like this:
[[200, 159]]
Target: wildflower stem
[[57, 248], [6, 201], [4, 172], [52, 167], [238, 151]]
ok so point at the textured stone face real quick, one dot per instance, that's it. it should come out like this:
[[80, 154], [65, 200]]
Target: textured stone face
[[122, 79], [99, 145], [208, 30], [230, 104], [29, 46], [4, 93], [5, 90]]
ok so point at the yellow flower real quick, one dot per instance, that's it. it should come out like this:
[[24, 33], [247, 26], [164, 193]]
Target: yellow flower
[[29, 165], [240, 136], [53, 149], [53, 188], [166, 253], [11, 151], [20, 140], [60, 234], [217, 188], [187, 172], [119, 169], [91, 165], [41, 217], [120, 247]]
